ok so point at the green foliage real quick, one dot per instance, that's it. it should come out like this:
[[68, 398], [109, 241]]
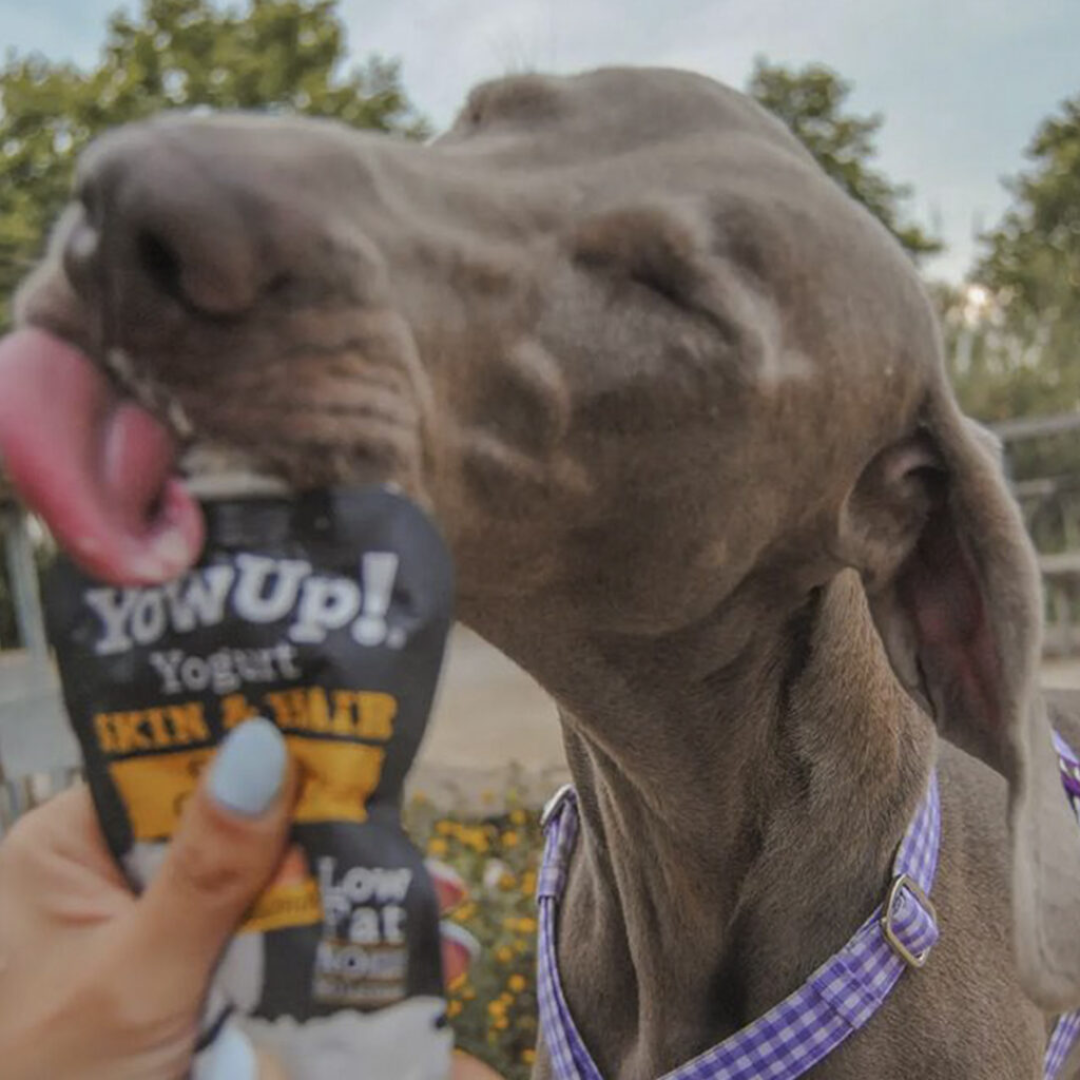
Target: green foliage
[[1001, 373], [995, 372], [811, 101], [282, 55], [493, 1007], [1031, 271]]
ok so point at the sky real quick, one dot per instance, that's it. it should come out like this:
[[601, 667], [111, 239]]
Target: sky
[[963, 84]]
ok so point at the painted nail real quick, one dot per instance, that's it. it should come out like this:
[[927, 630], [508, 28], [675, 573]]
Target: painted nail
[[249, 769], [230, 1057]]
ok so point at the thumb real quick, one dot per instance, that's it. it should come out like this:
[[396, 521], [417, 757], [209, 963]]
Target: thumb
[[230, 840]]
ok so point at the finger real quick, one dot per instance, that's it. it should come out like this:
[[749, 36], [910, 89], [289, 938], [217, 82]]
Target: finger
[[57, 869], [269, 1067], [230, 840], [467, 1067], [64, 834]]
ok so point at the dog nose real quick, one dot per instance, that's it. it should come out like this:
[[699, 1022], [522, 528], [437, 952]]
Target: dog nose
[[160, 226]]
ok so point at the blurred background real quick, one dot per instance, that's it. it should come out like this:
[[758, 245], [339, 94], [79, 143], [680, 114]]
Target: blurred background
[[957, 125]]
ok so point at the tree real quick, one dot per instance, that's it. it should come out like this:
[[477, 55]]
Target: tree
[[810, 101], [997, 373], [1031, 268], [283, 55]]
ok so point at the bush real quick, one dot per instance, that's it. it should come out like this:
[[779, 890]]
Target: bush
[[493, 1007]]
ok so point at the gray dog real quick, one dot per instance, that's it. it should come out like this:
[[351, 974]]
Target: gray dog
[[679, 406]]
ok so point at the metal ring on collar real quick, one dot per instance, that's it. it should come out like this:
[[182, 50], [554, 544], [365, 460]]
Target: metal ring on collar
[[555, 803], [904, 881]]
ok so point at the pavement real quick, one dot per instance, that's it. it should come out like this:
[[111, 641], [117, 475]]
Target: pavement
[[493, 732], [1062, 674]]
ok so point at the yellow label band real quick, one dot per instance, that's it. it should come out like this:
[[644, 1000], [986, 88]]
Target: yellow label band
[[310, 710], [360, 714], [143, 730], [336, 780], [337, 774], [281, 906], [155, 788]]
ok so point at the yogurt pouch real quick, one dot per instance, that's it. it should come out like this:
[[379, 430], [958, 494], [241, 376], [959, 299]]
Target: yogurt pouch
[[326, 614]]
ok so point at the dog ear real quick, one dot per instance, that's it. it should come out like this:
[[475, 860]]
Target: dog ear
[[953, 585]]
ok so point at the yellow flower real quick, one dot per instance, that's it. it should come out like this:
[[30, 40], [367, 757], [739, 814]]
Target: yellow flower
[[474, 838], [453, 1008], [527, 925], [445, 828], [507, 881], [501, 1024], [528, 1057], [518, 817], [437, 846], [504, 954], [516, 983], [496, 1008], [510, 838], [459, 982], [465, 912], [528, 883]]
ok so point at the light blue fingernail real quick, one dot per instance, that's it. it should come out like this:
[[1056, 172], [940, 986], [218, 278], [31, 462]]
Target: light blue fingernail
[[249, 769], [230, 1057]]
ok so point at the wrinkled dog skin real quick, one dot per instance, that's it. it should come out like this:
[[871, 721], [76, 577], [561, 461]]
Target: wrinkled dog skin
[[679, 407]]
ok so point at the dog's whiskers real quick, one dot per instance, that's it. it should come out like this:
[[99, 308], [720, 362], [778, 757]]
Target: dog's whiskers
[[147, 392]]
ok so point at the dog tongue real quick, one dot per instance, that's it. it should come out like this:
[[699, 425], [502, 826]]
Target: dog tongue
[[98, 468]]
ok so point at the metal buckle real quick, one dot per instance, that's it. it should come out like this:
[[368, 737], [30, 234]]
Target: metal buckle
[[555, 803], [903, 881]]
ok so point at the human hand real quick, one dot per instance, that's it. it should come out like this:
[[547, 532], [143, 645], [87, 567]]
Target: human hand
[[99, 984]]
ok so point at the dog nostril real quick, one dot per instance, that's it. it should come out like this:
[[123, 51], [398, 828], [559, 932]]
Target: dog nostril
[[163, 229], [160, 263], [279, 285]]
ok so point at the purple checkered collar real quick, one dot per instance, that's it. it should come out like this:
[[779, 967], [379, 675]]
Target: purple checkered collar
[[835, 1002]]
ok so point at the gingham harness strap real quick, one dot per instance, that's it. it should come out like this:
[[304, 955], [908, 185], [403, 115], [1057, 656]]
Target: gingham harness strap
[[838, 999]]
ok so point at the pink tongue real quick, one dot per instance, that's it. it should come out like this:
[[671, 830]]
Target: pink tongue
[[97, 468]]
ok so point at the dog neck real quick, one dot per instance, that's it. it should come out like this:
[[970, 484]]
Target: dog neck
[[742, 787]]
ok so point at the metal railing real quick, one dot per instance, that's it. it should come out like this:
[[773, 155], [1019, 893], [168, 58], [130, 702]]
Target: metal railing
[[1051, 508], [38, 754]]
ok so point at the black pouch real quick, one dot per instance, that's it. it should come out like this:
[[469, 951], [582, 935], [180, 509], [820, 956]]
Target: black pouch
[[327, 614]]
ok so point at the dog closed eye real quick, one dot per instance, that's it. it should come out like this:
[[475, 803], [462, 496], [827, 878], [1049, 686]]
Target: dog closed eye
[[650, 247], [645, 246]]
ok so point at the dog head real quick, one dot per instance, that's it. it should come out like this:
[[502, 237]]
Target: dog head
[[619, 333]]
